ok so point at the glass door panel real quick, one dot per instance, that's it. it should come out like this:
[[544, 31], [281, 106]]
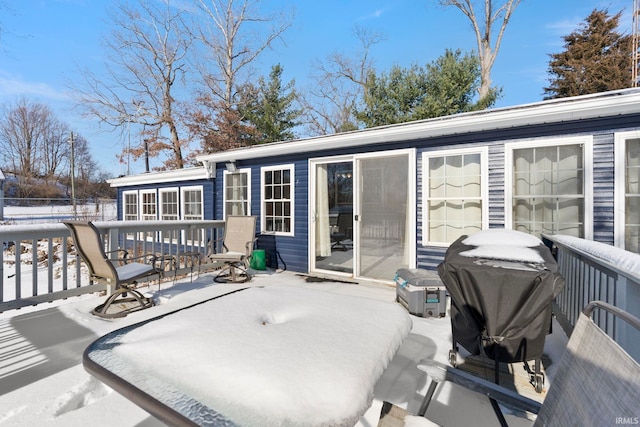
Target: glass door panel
[[333, 217], [383, 216]]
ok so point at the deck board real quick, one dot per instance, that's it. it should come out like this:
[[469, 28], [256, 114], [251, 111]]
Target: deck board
[[512, 375]]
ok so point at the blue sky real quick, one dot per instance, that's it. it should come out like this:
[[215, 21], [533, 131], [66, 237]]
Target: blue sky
[[46, 41]]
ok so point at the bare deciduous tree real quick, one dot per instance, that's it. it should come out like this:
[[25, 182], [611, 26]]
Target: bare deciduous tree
[[339, 85], [146, 60], [35, 146], [234, 33], [54, 159], [496, 12], [33, 139]]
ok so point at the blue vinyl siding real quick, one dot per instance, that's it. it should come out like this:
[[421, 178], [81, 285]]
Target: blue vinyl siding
[[603, 188], [496, 186], [282, 252]]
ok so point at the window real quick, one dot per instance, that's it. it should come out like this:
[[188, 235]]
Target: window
[[454, 193], [627, 185], [192, 210], [169, 204], [130, 205], [237, 193], [192, 203], [632, 195], [148, 208], [277, 199], [548, 186]]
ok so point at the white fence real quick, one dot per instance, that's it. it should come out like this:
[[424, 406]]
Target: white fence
[[35, 211]]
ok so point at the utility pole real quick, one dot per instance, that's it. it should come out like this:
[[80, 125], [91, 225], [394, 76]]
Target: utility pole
[[146, 155], [73, 179]]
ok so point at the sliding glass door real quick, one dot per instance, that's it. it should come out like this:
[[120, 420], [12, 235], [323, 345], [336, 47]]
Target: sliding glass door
[[333, 218], [363, 214], [384, 216]]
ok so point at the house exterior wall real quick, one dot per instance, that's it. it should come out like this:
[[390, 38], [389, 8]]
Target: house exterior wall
[[291, 251], [603, 133], [288, 252]]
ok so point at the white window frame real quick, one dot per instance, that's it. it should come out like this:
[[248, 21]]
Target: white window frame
[[484, 187], [141, 204], [225, 175], [620, 178], [163, 191], [183, 190], [124, 205], [291, 168], [191, 236], [587, 146]]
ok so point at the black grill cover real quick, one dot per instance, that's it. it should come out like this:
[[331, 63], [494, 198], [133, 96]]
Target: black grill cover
[[502, 308]]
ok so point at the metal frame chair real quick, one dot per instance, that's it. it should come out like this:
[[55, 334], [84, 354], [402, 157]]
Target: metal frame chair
[[239, 238], [344, 223], [102, 269], [596, 382]]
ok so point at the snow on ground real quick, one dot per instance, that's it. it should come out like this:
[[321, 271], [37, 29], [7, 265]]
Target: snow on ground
[[43, 383]]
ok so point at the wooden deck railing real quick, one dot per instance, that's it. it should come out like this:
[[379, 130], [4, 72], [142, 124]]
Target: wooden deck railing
[[596, 271], [45, 269]]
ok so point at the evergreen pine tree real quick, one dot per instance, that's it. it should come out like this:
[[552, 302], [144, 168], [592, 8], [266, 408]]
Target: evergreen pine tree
[[269, 108], [597, 58]]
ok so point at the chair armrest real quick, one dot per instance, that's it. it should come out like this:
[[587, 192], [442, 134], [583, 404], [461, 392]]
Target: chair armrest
[[148, 258], [212, 244], [249, 245], [440, 372], [123, 255], [161, 261]]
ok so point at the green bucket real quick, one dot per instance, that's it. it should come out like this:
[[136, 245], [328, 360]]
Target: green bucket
[[258, 260]]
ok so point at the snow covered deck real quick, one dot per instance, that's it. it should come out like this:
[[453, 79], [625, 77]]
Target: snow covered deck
[[43, 382]]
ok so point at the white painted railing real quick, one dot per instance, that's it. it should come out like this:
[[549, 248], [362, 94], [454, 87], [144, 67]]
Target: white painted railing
[[596, 271], [36, 264]]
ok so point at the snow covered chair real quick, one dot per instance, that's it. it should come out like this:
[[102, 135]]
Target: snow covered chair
[[597, 381], [239, 238], [89, 244]]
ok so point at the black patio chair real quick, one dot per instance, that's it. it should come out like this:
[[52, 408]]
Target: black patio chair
[[344, 231]]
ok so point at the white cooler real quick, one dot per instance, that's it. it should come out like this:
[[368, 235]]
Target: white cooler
[[421, 292]]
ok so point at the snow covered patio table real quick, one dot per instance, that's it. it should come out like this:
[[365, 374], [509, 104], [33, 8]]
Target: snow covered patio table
[[271, 356]]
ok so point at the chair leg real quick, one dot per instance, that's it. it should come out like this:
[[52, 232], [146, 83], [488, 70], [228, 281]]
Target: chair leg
[[195, 256], [427, 398], [230, 275], [142, 303]]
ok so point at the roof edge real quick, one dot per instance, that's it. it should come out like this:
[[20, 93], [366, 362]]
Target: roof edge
[[625, 101], [174, 175]]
